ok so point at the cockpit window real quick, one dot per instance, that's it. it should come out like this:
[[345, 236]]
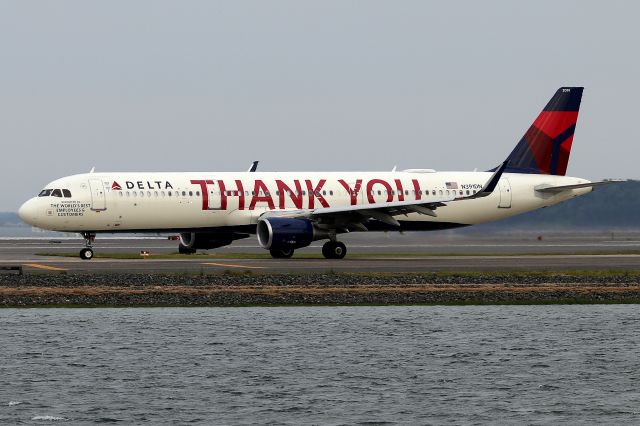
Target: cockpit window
[[55, 193]]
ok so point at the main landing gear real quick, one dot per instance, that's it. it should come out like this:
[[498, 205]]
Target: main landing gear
[[330, 250], [281, 254], [334, 250], [87, 252]]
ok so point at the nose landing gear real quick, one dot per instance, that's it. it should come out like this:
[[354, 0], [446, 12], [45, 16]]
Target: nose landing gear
[[87, 252], [334, 250]]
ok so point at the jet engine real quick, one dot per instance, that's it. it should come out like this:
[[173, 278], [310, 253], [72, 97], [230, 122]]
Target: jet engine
[[279, 233], [192, 241]]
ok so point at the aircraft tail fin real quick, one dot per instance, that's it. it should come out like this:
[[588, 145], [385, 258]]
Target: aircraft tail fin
[[546, 146]]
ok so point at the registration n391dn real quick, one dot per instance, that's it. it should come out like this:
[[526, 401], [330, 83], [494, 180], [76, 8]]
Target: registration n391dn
[[290, 210]]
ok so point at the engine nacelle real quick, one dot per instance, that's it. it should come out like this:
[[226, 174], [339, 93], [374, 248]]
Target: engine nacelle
[[204, 241], [280, 233]]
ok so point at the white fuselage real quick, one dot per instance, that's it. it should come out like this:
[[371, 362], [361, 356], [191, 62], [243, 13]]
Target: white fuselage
[[138, 202]]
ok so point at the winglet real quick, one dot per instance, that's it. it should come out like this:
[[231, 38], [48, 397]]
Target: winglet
[[253, 167], [492, 182]]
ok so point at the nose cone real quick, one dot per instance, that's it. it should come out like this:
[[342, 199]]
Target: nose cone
[[28, 213]]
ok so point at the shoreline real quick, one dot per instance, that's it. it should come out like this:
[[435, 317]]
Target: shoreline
[[245, 289]]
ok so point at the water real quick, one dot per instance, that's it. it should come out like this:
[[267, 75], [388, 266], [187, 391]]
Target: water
[[322, 365]]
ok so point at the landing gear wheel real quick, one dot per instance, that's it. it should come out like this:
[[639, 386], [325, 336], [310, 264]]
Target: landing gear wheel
[[86, 254], [281, 254], [185, 250], [334, 250]]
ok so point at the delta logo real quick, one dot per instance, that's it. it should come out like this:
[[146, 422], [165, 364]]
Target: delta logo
[[156, 184]]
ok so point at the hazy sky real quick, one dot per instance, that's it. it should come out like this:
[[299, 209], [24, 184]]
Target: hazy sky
[[300, 85]]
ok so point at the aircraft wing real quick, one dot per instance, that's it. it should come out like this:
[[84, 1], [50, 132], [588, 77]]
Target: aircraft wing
[[352, 217], [560, 188]]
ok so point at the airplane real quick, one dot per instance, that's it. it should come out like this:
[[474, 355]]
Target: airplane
[[290, 210]]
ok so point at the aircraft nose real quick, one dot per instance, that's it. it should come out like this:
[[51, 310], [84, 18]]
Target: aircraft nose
[[27, 212]]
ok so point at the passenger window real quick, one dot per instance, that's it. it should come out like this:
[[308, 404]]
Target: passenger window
[[434, 192], [324, 192], [184, 194], [440, 192], [190, 193], [330, 192], [155, 193], [141, 193], [197, 193], [467, 192], [135, 194], [56, 193], [406, 192], [120, 192], [127, 193], [162, 193], [149, 194], [169, 193]]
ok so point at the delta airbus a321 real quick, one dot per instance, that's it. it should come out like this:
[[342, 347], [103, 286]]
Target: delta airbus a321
[[288, 211]]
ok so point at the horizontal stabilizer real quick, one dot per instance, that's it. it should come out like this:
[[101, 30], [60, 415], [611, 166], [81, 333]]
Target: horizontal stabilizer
[[560, 188]]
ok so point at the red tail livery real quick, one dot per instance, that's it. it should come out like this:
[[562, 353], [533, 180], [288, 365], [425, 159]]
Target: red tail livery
[[545, 147]]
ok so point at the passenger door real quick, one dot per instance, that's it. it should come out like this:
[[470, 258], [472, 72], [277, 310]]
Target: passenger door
[[98, 196]]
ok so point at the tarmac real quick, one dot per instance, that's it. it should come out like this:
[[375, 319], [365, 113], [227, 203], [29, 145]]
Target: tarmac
[[371, 253]]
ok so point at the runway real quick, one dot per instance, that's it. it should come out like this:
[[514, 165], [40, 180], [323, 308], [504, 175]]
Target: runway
[[393, 253]]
